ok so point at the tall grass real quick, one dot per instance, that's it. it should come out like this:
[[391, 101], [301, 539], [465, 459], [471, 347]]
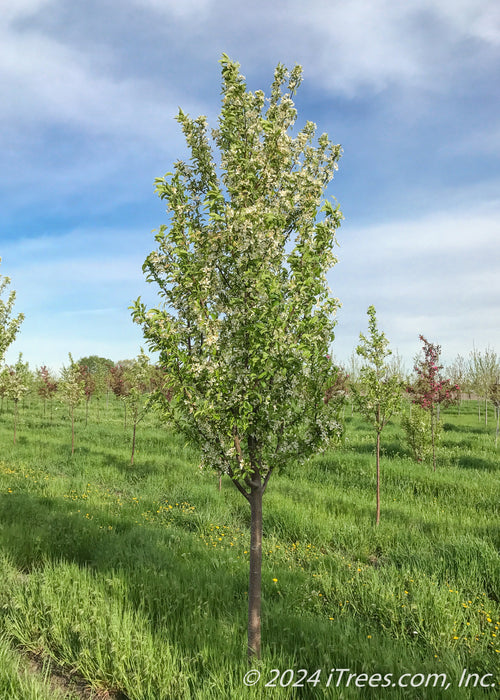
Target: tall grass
[[135, 578]]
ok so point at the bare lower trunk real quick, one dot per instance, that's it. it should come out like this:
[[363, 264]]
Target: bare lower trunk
[[433, 446], [254, 585], [133, 444], [15, 421], [72, 430], [497, 411], [378, 479]]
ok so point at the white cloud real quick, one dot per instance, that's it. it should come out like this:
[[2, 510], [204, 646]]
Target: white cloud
[[439, 276], [379, 43], [182, 9]]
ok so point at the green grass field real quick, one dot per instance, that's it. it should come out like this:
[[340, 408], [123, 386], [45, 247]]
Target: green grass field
[[133, 580]]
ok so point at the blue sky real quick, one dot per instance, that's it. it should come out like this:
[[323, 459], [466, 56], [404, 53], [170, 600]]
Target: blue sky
[[89, 92]]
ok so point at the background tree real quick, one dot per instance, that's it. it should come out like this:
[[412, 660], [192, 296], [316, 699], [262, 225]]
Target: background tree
[[246, 319], [89, 386], [46, 386], [430, 389], [9, 326], [139, 378], [98, 369], [457, 374], [17, 380], [72, 391], [494, 396], [484, 367], [339, 390], [118, 382], [378, 393]]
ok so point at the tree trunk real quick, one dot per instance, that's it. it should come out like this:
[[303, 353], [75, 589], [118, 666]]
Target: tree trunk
[[133, 445], [486, 410], [125, 416], [378, 479], [15, 421], [86, 412], [72, 430], [255, 579], [497, 411], [432, 435]]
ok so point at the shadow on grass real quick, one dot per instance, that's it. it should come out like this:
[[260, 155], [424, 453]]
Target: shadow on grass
[[471, 462]]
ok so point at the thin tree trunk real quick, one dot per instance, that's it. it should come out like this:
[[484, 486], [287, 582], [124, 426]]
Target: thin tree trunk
[[255, 579], [378, 479], [486, 410], [72, 430], [86, 413], [220, 481], [432, 434], [497, 411], [133, 444], [125, 417], [15, 421]]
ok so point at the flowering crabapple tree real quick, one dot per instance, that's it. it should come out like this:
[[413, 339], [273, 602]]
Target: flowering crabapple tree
[[98, 369], [246, 317], [89, 387], [118, 382], [377, 395], [9, 326], [139, 378], [46, 386], [484, 367], [17, 381], [430, 389], [72, 389], [494, 396]]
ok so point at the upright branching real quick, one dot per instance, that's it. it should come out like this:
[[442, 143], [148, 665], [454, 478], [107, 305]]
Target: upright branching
[[46, 386], [377, 394], [430, 389], [9, 325], [139, 379], [484, 367], [72, 390], [246, 317], [17, 382]]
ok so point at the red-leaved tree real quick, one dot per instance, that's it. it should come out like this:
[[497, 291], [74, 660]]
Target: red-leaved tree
[[46, 386], [430, 389]]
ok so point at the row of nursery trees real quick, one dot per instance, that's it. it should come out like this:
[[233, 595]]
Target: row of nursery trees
[[80, 382], [245, 318], [427, 388], [477, 375]]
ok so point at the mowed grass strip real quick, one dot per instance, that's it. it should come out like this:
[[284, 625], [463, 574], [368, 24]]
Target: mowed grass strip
[[136, 577]]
